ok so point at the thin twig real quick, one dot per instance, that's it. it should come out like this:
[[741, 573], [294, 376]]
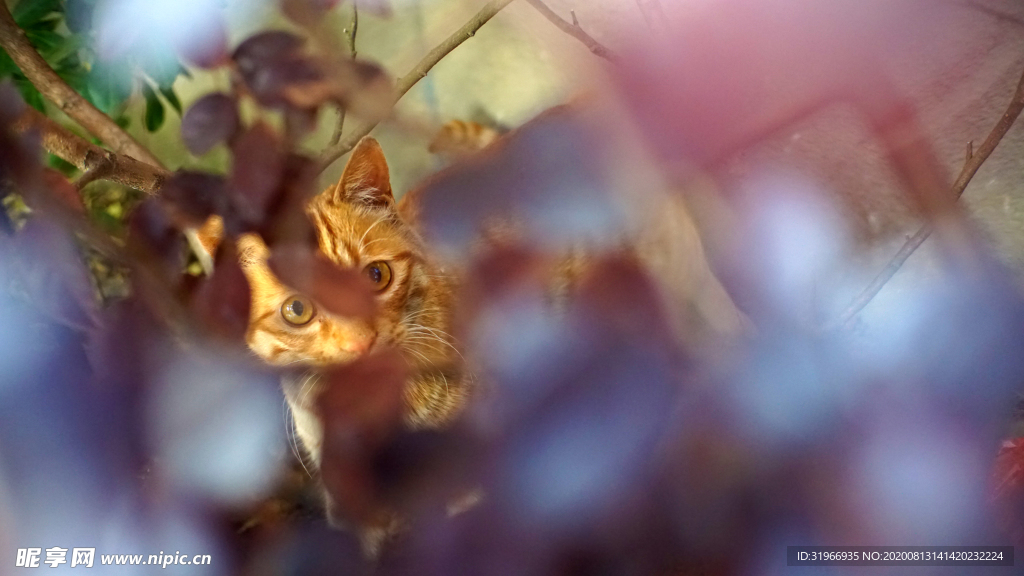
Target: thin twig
[[405, 83], [72, 148], [352, 52], [49, 84], [975, 158], [574, 30], [355, 29]]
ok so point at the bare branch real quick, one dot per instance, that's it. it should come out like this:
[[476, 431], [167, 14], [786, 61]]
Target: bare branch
[[574, 30], [336, 137], [91, 159], [351, 35], [17, 46], [975, 158], [405, 83], [353, 31]]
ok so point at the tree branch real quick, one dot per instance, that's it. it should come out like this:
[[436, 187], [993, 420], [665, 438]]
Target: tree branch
[[101, 171], [351, 34], [405, 83], [17, 46], [94, 161], [574, 30], [974, 161]]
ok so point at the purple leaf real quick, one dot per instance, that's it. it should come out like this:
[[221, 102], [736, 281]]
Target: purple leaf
[[195, 196], [307, 12], [279, 74], [256, 174], [153, 235], [549, 175], [361, 408], [286, 221], [265, 47], [211, 120], [222, 301]]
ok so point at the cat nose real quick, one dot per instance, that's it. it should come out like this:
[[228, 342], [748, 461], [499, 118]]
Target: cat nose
[[360, 345]]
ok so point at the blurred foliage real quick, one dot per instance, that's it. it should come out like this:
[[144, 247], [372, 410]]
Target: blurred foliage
[[602, 444], [108, 205], [62, 32], [14, 211]]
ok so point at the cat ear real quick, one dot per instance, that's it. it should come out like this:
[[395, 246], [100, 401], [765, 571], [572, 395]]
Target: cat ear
[[366, 179]]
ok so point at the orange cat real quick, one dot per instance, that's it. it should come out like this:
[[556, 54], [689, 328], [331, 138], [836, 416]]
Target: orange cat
[[358, 225]]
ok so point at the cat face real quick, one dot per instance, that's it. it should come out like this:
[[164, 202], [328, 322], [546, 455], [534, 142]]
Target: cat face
[[358, 227]]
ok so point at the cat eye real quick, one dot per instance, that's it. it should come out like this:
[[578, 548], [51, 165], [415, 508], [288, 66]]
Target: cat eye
[[297, 310], [379, 274]]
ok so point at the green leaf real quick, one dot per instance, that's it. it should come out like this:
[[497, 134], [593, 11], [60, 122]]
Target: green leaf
[[66, 168], [45, 41], [163, 76], [159, 62], [69, 46], [171, 97], [154, 109], [108, 84], [7, 66], [28, 12], [75, 77], [48, 24]]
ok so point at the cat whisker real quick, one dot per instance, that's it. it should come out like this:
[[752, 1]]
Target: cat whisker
[[425, 342], [293, 437], [408, 318], [420, 329], [365, 246], [423, 330], [428, 343], [363, 237], [422, 357], [307, 386], [412, 325], [438, 330]]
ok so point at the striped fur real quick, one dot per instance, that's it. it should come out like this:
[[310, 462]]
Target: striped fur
[[459, 138]]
